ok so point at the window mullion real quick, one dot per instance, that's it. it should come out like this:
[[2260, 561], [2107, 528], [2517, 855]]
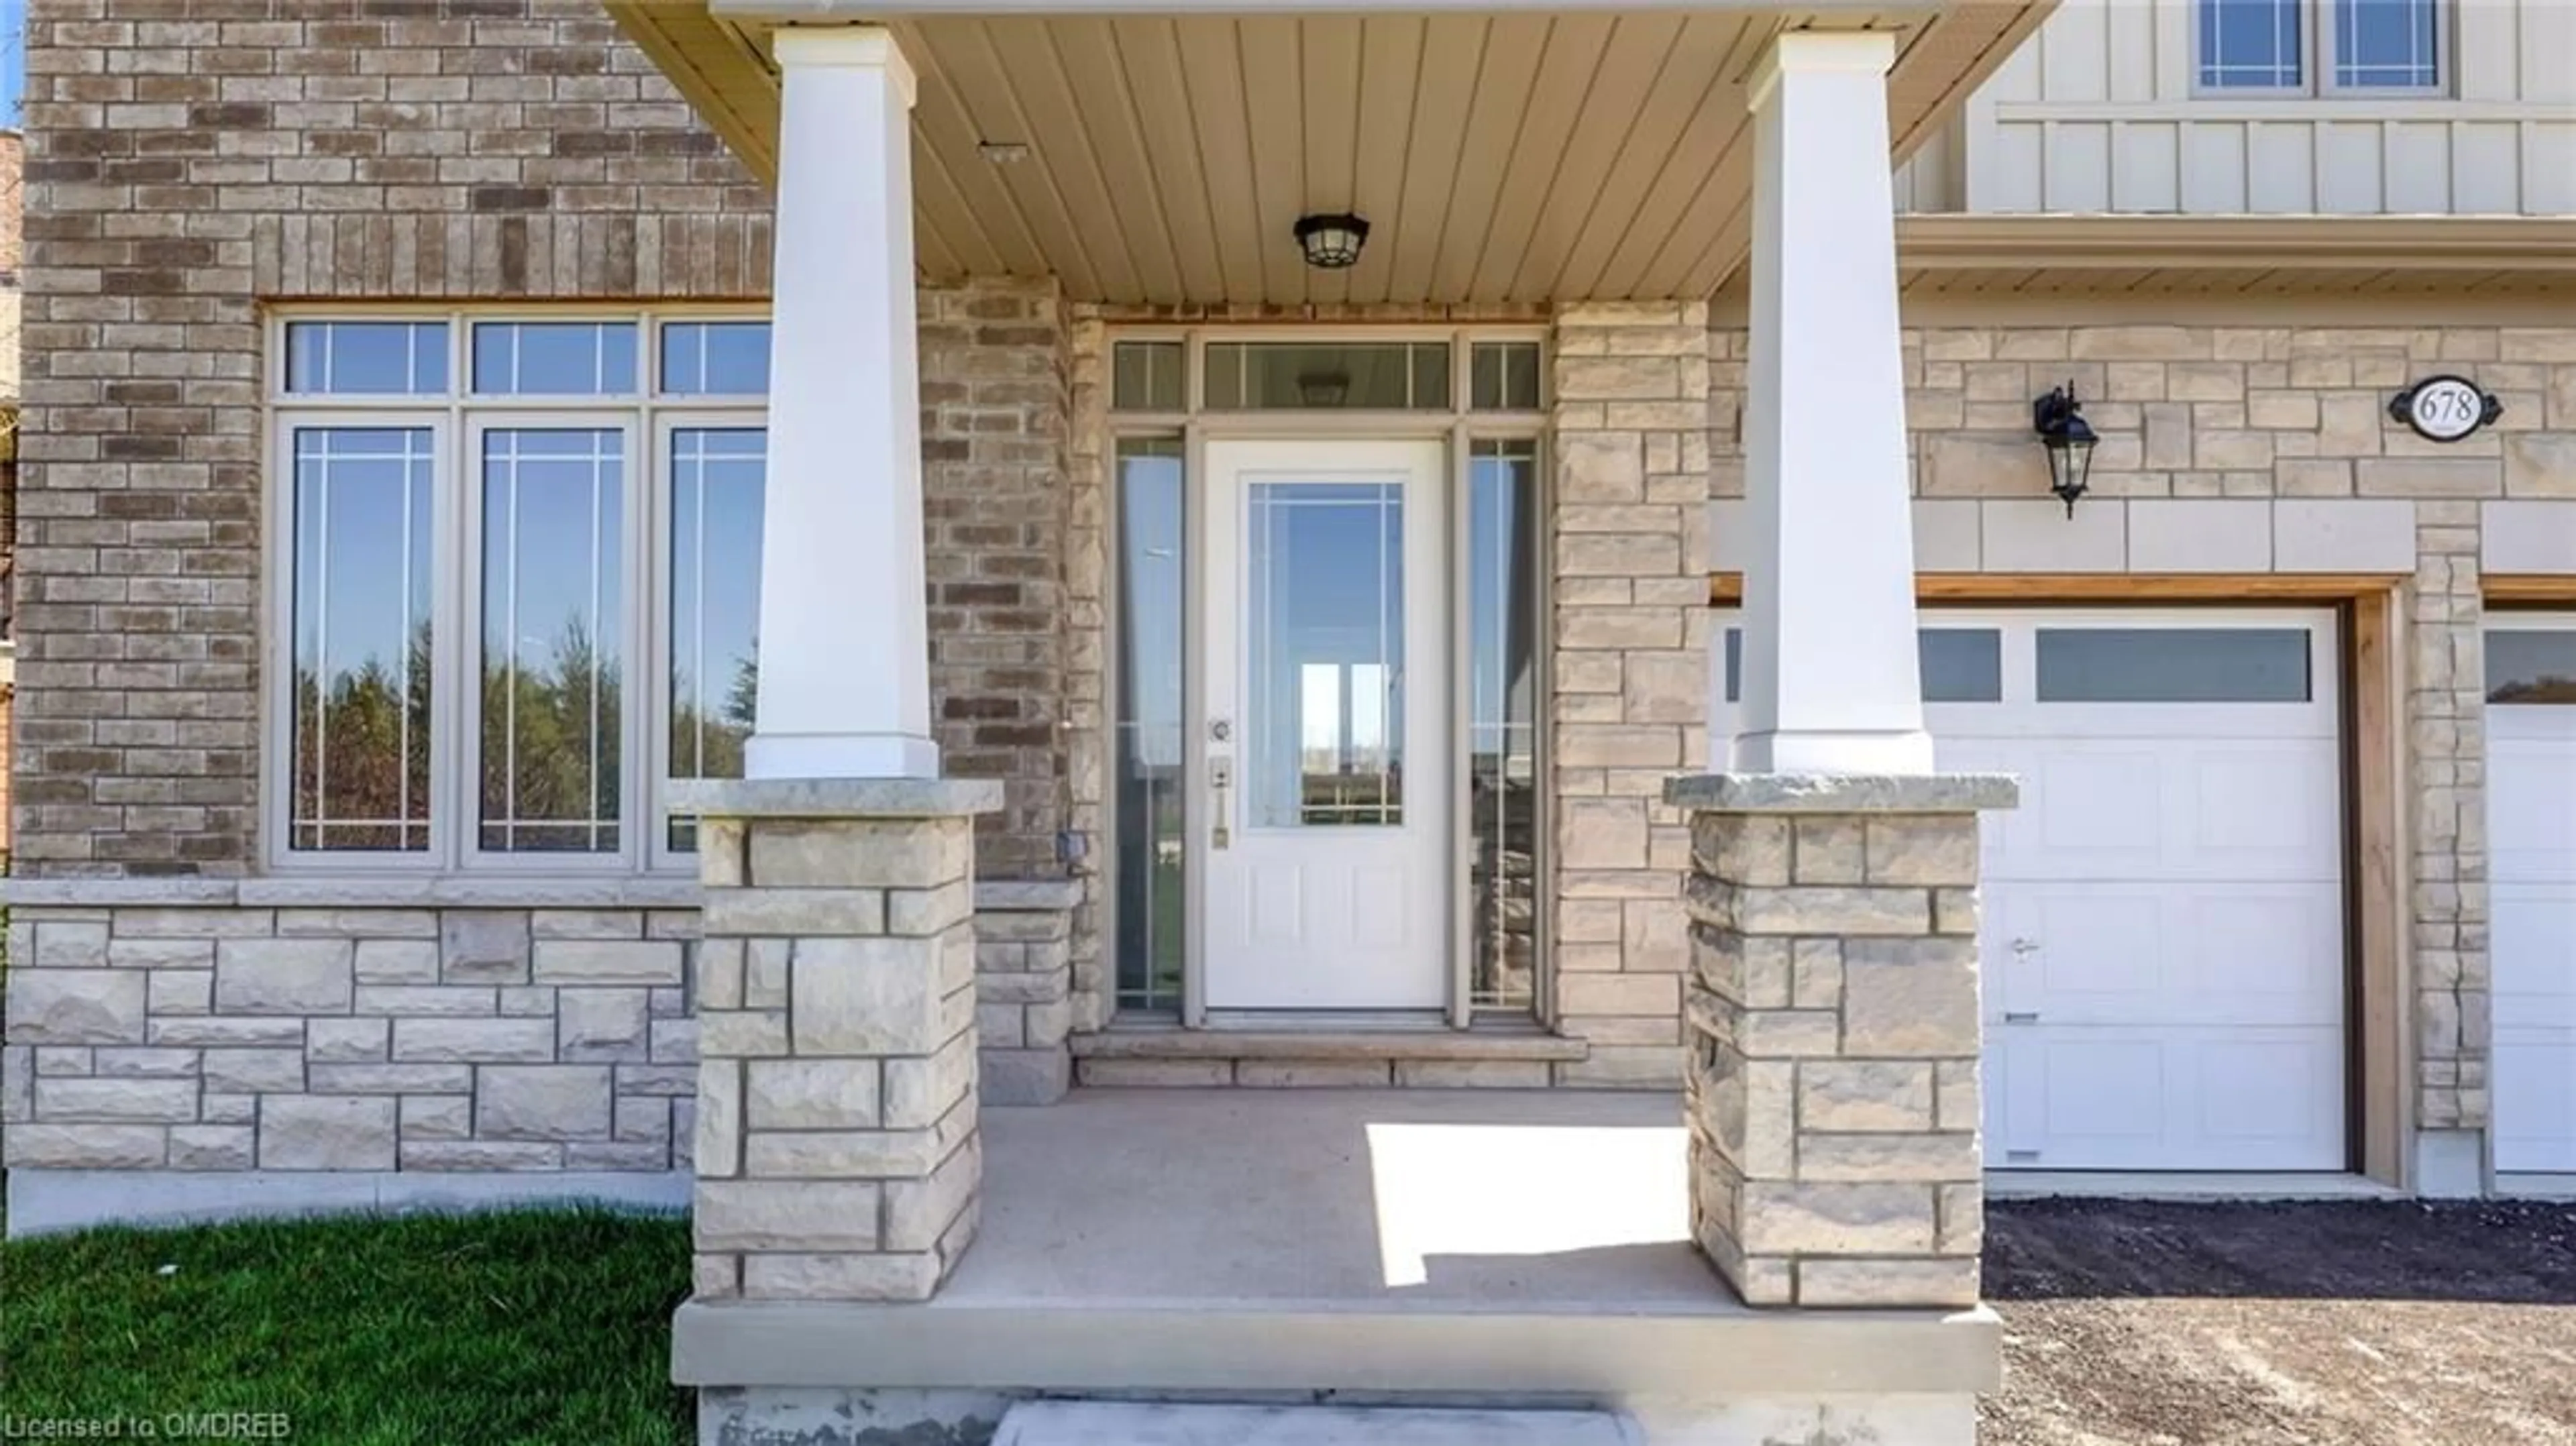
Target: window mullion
[[635, 696], [460, 705]]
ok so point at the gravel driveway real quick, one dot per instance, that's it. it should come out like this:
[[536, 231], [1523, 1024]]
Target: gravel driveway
[[2283, 1324]]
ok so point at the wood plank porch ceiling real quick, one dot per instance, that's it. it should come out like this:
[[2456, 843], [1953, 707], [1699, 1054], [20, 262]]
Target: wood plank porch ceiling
[[1501, 156]]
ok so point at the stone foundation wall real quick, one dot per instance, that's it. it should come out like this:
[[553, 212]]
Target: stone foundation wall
[[225, 1038], [208, 1035]]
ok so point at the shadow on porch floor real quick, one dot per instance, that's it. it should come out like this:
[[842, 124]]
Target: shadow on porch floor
[[1353, 1198]]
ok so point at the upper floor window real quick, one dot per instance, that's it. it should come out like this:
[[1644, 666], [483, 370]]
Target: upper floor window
[[2387, 45], [518, 566], [2280, 46]]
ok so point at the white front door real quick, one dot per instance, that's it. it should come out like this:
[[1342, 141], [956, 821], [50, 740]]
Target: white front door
[[2531, 838], [1327, 752]]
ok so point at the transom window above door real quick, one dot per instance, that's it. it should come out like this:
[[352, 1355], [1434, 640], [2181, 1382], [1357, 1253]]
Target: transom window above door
[[1453, 374], [519, 561]]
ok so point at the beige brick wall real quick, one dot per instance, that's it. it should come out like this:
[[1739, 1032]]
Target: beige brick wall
[[186, 171], [995, 508], [186, 162]]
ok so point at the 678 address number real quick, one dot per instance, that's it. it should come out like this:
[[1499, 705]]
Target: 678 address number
[[2445, 408]]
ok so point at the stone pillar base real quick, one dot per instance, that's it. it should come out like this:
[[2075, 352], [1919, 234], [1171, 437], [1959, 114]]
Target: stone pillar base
[[837, 1150], [1831, 1025], [1024, 988]]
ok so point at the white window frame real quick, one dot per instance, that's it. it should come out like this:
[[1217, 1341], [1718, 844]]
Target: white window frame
[[457, 420], [2318, 41]]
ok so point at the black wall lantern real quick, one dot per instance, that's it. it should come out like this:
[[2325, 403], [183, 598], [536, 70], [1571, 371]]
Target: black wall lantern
[[2059, 420], [1331, 242]]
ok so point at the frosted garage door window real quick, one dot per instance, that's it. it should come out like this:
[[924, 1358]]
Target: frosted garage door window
[[2173, 665]]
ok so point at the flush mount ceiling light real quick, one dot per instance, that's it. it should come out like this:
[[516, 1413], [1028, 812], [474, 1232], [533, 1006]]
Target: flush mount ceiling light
[[1331, 242], [1003, 153]]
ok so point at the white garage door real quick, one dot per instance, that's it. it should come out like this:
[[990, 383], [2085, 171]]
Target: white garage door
[[2531, 838], [2164, 937]]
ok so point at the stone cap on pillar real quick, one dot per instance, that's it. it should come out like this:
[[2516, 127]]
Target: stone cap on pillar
[[1843, 792], [835, 797]]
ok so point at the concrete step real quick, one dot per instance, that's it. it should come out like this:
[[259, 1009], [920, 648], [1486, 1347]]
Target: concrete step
[[1136, 1423]]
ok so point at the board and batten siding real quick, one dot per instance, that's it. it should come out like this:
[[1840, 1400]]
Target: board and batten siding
[[2097, 113]]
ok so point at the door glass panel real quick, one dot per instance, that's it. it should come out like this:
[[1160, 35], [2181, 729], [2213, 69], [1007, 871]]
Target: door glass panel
[[2173, 665], [1502, 768], [1324, 377], [1324, 660], [1153, 557], [1959, 665], [2526, 666]]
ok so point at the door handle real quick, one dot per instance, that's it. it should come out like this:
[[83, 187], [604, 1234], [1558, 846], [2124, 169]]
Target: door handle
[[2013, 1016], [2025, 947], [1220, 780]]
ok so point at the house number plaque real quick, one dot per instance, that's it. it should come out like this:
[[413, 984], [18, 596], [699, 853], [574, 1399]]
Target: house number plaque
[[2445, 408]]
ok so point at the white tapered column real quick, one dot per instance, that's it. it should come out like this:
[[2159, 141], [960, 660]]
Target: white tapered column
[[1830, 681], [844, 629]]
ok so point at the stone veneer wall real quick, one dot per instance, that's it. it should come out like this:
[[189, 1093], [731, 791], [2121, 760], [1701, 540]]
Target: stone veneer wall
[[2279, 439], [1086, 704], [1831, 1013], [1629, 569], [220, 1029], [221, 1037]]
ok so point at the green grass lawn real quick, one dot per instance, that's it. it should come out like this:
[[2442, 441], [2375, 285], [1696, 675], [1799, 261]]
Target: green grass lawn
[[537, 1328]]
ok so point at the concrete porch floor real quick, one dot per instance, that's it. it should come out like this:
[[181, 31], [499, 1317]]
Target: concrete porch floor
[[1414, 1244], [1359, 1199]]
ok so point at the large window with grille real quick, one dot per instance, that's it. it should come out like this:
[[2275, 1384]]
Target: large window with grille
[[517, 566]]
